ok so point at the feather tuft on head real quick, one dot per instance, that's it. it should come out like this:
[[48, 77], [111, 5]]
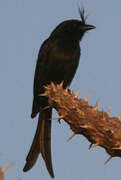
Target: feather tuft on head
[[82, 15]]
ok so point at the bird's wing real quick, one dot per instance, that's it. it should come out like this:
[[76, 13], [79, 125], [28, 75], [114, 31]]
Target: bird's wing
[[40, 78]]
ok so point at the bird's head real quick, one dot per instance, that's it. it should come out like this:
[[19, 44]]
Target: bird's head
[[72, 29]]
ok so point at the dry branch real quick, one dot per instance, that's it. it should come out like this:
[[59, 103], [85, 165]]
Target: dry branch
[[97, 126], [3, 170]]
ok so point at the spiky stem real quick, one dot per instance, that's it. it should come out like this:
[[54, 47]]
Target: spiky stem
[[97, 126]]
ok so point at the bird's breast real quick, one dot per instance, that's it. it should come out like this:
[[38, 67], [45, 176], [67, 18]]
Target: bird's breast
[[66, 53], [63, 65]]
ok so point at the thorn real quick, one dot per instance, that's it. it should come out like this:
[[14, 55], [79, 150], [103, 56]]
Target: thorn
[[72, 93], [92, 145], [77, 93], [103, 114], [47, 86], [53, 85], [45, 108], [43, 94], [71, 137], [61, 84], [67, 89], [58, 86], [84, 126], [109, 110], [58, 117], [117, 148], [87, 97], [95, 108], [108, 160], [119, 117]]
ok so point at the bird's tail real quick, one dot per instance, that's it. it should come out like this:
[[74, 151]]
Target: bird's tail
[[41, 143]]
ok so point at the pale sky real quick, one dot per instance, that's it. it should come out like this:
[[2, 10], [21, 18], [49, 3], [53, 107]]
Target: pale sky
[[24, 25]]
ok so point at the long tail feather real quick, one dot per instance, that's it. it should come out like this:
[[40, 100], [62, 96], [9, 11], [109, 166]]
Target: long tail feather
[[41, 143]]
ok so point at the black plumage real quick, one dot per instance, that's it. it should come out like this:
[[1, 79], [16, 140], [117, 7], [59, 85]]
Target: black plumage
[[58, 60]]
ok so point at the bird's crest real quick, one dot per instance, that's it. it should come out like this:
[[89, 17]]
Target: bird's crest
[[82, 15]]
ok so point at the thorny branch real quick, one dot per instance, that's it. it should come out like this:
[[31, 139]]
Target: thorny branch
[[97, 126]]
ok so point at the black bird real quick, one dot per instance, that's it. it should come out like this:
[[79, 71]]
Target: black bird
[[58, 60]]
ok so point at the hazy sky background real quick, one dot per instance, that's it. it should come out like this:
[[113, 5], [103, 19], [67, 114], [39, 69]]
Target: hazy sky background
[[24, 25]]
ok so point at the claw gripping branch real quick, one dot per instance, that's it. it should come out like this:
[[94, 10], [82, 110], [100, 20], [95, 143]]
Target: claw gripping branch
[[97, 126]]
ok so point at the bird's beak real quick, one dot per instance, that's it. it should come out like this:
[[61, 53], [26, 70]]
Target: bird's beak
[[87, 27]]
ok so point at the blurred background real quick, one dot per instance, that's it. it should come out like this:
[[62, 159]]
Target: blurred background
[[24, 25]]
